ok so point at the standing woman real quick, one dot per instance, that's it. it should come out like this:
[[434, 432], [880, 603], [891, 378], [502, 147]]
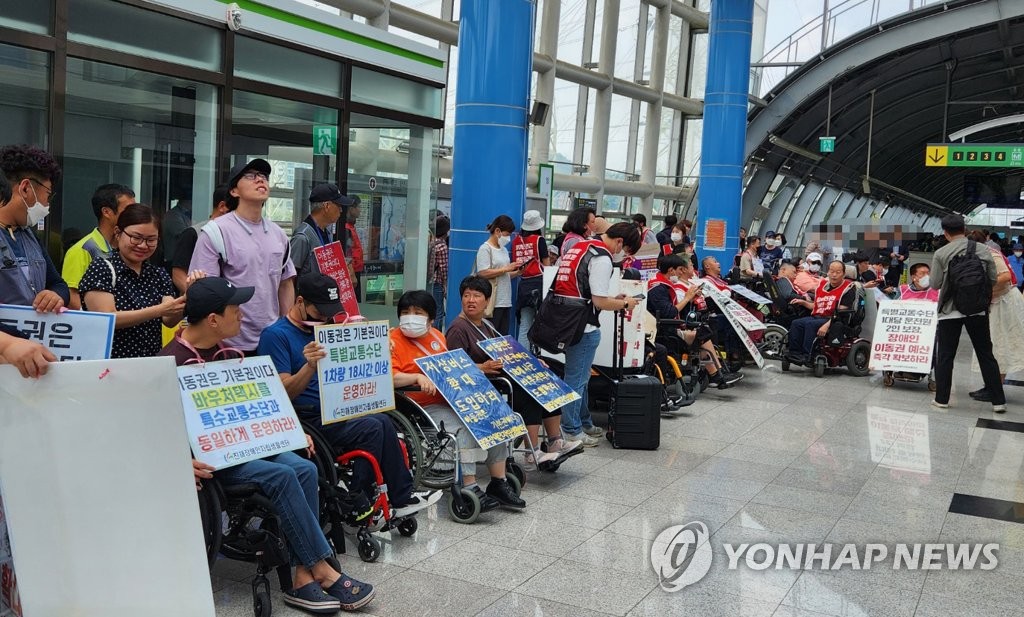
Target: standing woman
[[493, 263], [139, 294], [529, 249], [1005, 321]]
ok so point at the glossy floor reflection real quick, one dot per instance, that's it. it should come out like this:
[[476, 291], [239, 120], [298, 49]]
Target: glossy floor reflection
[[783, 457]]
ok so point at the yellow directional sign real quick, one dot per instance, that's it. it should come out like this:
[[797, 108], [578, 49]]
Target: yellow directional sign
[[936, 156]]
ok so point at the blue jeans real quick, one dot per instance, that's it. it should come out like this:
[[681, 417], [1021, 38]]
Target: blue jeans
[[290, 482], [526, 316], [578, 360], [802, 333], [438, 291]]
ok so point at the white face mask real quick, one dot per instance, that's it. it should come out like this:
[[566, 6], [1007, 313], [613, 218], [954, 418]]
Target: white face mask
[[885, 271], [769, 244], [1018, 253], [925, 281], [413, 326], [37, 211], [676, 236], [504, 240], [814, 267], [674, 279], [619, 257]]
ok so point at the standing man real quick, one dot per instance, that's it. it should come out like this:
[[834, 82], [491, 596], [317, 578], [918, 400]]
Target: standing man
[[960, 280], [665, 235], [188, 238], [647, 235], [107, 203], [176, 221], [354, 247], [249, 251], [437, 267], [326, 207], [27, 274]]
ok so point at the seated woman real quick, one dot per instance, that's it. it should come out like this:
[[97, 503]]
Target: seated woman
[[468, 329], [672, 291], [415, 338], [139, 294], [290, 482]]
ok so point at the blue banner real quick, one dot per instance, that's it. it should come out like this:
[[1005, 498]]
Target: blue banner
[[526, 370], [484, 412]]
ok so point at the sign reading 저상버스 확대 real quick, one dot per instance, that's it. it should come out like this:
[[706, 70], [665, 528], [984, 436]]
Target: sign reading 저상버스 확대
[[237, 411], [355, 376]]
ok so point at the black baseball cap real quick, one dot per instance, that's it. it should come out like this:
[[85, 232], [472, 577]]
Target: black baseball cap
[[321, 291], [212, 295], [260, 165], [330, 192]]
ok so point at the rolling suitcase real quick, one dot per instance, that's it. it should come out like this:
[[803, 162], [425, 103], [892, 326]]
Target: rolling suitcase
[[634, 409]]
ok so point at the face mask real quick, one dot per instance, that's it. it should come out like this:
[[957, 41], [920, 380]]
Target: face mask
[[619, 257], [814, 267], [674, 279], [309, 323], [504, 240], [1018, 253], [769, 244], [676, 236], [37, 211], [413, 326], [925, 281], [885, 271]]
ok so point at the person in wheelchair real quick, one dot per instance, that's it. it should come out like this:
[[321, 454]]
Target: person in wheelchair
[[415, 338], [213, 312], [725, 336], [466, 331], [835, 293], [670, 293], [291, 346]]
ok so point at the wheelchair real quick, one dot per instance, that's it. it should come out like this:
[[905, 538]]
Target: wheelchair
[[780, 316], [841, 345], [239, 522]]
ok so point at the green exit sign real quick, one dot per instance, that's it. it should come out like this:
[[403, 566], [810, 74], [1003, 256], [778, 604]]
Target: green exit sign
[[826, 144]]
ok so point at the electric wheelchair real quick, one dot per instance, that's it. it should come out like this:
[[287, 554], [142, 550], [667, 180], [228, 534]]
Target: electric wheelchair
[[842, 344]]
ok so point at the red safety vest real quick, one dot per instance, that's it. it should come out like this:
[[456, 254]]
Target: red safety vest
[[681, 288], [826, 302], [528, 248], [718, 283], [572, 279], [356, 246]]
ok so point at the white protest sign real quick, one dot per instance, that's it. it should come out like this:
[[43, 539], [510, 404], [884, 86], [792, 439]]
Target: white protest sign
[[237, 411], [94, 470], [749, 295], [880, 297], [633, 328], [739, 314], [899, 439], [71, 335], [723, 302], [747, 341], [904, 336], [355, 377]]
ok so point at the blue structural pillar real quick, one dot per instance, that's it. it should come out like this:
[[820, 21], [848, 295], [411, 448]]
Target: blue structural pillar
[[491, 109], [725, 126]]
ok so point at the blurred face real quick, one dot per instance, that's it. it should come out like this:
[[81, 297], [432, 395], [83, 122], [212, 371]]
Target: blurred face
[[473, 303], [333, 212], [685, 273], [353, 214], [754, 245], [137, 243], [789, 273], [252, 186], [836, 273]]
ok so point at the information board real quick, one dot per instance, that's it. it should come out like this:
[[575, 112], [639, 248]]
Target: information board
[[904, 336], [355, 377], [71, 335], [526, 370]]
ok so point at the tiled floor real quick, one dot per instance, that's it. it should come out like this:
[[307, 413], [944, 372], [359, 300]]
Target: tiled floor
[[782, 457]]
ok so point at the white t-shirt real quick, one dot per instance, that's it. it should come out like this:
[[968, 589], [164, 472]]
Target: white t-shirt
[[600, 276], [488, 258]]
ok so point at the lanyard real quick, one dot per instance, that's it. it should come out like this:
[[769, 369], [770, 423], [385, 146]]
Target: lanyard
[[483, 336], [198, 359], [421, 347]]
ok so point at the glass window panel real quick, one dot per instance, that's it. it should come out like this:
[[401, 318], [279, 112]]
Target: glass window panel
[[262, 61], [121, 27], [154, 133], [626, 43], [698, 65], [449, 97], [395, 93], [618, 135], [30, 15], [588, 133], [281, 131], [24, 96], [675, 37], [563, 120], [641, 133], [694, 130], [570, 30]]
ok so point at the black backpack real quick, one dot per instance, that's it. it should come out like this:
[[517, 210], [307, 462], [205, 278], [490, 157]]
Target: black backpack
[[968, 284]]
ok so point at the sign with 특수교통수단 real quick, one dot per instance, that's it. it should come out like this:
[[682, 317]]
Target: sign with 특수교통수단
[[355, 377]]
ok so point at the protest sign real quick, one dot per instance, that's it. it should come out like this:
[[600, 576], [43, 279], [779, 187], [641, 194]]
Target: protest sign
[[739, 315], [904, 336], [71, 335], [331, 261], [10, 601], [899, 439], [524, 369], [355, 377], [484, 412], [109, 437], [237, 411], [753, 296]]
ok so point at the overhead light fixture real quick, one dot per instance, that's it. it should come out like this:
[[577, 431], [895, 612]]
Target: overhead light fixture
[[591, 65], [865, 185], [775, 140]]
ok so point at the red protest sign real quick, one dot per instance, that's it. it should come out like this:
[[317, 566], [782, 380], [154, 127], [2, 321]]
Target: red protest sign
[[331, 261]]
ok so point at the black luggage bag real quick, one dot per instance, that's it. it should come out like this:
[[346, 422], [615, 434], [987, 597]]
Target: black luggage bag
[[634, 409]]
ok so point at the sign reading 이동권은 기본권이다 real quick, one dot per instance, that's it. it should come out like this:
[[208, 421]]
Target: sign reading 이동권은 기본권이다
[[355, 376]]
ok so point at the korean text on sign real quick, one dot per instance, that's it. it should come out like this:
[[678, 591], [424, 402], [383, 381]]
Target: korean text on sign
[[331, 261], [71, 335], [523, 368], [482, 410], [355, 377], [904, 338], [237, 411]]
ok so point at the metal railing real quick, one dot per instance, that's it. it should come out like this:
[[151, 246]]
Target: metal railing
[[838, 20]]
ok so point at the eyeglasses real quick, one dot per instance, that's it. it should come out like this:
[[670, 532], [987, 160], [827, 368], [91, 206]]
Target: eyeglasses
[[253, 176], [150, 241], [50, 193]]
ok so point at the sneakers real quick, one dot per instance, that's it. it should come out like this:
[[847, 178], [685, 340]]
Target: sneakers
[[502, 492], [587, 440], [999, 408], [357, 507], [544, 459], [939, 405], [594, 431], [418, 501], [565, 447], [725, 380], [982, 395], [312, 599], [487, 503], [352, 594]]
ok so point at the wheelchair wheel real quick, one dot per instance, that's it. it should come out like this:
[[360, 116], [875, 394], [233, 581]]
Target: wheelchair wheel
[[858, 359], [517, 471], [210, 509], [704, 380], [820, 364], [369, 548], [413, 444], [513, 481], [468, 511], [408, 527], [888, 379], [774, 342], [261, 606]]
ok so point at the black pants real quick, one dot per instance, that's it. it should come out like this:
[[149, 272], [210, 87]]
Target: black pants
[[525, 405], [500, 319], [802, 333], [981, 340], [358, 286]]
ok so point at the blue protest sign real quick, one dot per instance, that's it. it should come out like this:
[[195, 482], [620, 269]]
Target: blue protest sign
[[482, 410], [539, 382]]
